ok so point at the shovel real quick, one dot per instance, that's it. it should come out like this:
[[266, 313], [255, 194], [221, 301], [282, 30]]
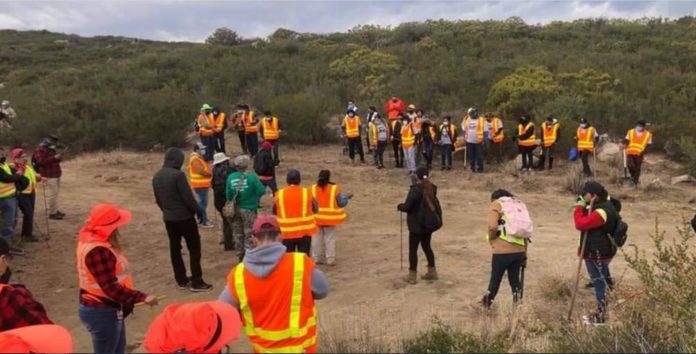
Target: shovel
[[626, 178]]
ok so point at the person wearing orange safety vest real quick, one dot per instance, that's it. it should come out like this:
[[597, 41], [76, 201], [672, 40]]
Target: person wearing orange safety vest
[[550, 131], [238, 125], [586, 137], [526, 141], [447, 139], [637, 141], [206, 128], [275, 291], [10, 180], [474, 128], [26, 199], [378, 135], [296, 209], [352, 127], [331, 214], [251, 130], [220, 119], [107, 293], [200, 173], [408, 143], [270, 131], [494, 137]]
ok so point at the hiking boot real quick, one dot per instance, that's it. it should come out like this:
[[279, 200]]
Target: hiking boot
[[56, 216], [200, 287], [431, 274], [412, 277], [30, 238], [62, 215], [184, 286], [206, 225], [594, 319], [486, 301]]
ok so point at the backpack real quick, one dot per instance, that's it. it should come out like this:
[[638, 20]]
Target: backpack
[[34, 163], [381, 132], [573, 154], [517, 221], [220, 174], [429, 218], [619, 236]]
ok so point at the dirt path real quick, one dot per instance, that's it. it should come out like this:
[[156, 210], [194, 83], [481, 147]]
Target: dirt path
[[368, 298]]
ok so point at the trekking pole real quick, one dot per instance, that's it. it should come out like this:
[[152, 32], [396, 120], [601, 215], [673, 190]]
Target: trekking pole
[[594, 162], [402, 239], [577, 274], [48, 230]]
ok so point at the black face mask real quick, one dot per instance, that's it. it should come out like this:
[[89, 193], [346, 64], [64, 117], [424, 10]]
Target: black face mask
[[5, 278]]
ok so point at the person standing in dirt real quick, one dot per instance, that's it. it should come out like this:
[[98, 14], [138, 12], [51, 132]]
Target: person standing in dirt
[[238, 125], [637, 141], [330, 215], [596, 224], [200, 173], [48, 161], [586, 138], [494, 136], [428, 139], [10, 180], [246, 191], [550, 132], [265, 166], [447, 139], [270, 132], [296, 209], [378, 134], [509, 251], [408, 144], [473, 128], [179, 208], [221, 170], [351, 128], [251, 130], [526, 142], [421, 195], [395, 138], [220, 119], [372, 114], [26, 199]]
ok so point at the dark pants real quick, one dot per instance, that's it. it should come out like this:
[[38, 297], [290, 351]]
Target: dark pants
[[547, 152], [276, 151], [270, 183], [209, 143], [474, 152], [512, 264], [494, 152], [379, 153], [598, 271], [242, 140], [353, 145], [252, 143], [424, 241], [106, 327], [188, 229], [368, 143], [634, 164], [26, 203], [428, 153], [527, 157], [302, 244], [446, 155], [219, 200], [585, 157], [398, 153], [220, 142]]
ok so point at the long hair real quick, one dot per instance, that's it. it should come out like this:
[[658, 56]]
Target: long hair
[[428, 192]]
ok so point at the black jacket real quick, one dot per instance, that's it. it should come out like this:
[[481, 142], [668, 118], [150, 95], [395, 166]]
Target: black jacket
[[412, 206], [172, 191], [598, 244], [264, 164]]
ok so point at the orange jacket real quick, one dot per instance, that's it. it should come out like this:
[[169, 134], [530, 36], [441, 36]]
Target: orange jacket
[[393, 108]]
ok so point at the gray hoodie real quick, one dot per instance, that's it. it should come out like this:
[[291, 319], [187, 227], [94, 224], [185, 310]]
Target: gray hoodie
[[263, 260]]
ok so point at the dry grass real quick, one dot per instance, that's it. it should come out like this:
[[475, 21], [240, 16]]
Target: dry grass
[[573, 180], [510, 168], [556, 287]]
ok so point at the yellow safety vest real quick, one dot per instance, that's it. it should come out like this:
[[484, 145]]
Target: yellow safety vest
[[7, 189], [31, 175], [508, 238]]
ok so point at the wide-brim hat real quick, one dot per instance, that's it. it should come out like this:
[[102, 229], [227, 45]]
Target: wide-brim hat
[[103, 220], [36, 339], [220, 157]]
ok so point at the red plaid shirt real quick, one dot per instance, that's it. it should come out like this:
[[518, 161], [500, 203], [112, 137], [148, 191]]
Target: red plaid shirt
[[49, 165], [101, 262], [18, 308]]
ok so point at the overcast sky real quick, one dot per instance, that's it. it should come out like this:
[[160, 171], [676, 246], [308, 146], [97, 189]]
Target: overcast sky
[[195, 20]]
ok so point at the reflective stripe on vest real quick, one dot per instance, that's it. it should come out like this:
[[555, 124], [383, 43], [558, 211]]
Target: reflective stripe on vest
[[505, 237], [294, 329], [249, 125], [479, 128], [294, 222], [352, 126], [270, 129], [408, 138], [199, 180], [87, 281], [329, 213], [637, 144], [452, 131], [531, 141], [495, 126], [206, 124], [220, 122], [31, 175], [7, 189], [550, 133], [586, 139]]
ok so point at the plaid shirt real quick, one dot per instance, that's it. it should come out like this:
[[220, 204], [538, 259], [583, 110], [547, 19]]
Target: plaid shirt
[[49, 165], [18, 308], [101, 262]]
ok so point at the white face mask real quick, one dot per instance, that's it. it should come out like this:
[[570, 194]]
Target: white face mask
[[639, 129], [583, 125]]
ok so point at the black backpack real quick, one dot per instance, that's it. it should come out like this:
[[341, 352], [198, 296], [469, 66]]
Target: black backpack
[[220, 174], [619, 236], [35, 164], [429, 219]]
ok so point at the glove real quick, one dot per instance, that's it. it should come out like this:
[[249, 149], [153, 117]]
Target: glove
[[399, 207], [581, 202]]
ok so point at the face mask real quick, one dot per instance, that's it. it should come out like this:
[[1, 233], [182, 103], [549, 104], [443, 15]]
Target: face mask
[[639, 129], [5, 278], [583, 125], [446, 122]]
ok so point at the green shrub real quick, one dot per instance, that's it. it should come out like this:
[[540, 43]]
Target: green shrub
[[442, 338]]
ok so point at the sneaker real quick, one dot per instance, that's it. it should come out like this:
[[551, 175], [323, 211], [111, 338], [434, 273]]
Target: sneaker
[[55, 216], [206, 225], [200, 287], [185, 285], [593, 319], [486, 301], [30, 238]]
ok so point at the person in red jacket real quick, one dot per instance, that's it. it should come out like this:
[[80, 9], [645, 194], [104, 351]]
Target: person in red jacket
[[48, 161], [394, 107]]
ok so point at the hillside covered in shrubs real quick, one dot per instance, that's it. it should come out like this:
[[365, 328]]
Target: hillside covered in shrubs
[[104, 92]]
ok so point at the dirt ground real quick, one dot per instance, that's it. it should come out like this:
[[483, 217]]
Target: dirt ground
[[368, 297]]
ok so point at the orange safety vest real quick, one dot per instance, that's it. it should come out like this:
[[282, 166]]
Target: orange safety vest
[[294, 211], [550, 133], [408, 137], [206, 124], [270, 128], [416, 124], [329, 213], [88, 283], [220, 122], [452, 131], [637, 143], [352, 126], [495, 126], [586, 139], [278, 310], [479, 128], [199, 180], [532, 139], [248, 120]]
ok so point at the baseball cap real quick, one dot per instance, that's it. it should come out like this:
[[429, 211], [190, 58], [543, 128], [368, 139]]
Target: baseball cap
[[200, 327], [17, 153], [265, 223], [593, 187], [36, 339], [102, 221]]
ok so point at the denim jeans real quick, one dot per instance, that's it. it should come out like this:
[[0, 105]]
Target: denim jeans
[[270, 183], [446, 155], [474, 152], [8, 209], [202, 198], [276, 151], [428, 152], [107, 330], [252, 143], [210, 142], [599, 274]]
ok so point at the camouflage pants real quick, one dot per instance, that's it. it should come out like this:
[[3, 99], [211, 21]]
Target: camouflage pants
[[242, 224]]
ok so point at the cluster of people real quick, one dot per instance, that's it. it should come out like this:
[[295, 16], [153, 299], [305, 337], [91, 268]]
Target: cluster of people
[[414, 137]]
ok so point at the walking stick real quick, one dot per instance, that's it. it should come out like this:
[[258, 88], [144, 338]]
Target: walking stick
[[594, 162], [48, 230], [402, 239], [577, 274]]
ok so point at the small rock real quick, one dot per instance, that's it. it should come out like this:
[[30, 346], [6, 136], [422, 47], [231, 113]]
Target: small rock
[[97, 176], [112, 179], [682, 179], [608, 152], [59, 290]]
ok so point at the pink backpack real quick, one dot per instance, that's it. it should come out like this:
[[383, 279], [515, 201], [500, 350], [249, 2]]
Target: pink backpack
[[517, 220]]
